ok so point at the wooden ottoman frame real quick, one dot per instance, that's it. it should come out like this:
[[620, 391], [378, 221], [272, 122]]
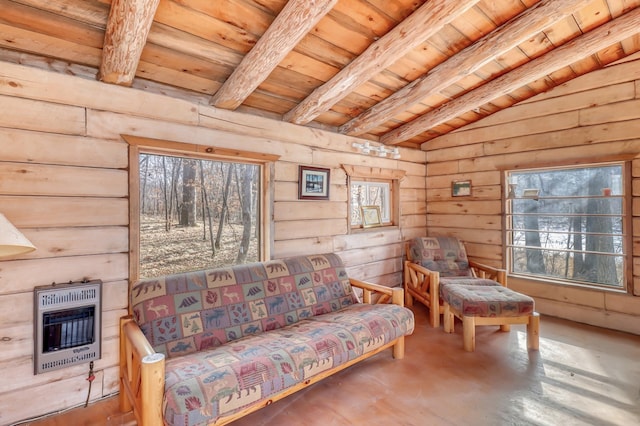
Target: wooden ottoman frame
[[469, 324]]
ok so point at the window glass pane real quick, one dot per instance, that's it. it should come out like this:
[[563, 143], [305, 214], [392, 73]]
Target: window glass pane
[[568, 223], [370, 194], [186, 204]]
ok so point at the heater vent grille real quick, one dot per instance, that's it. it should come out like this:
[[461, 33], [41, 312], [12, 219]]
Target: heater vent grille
[[63, 297], [67, 324]]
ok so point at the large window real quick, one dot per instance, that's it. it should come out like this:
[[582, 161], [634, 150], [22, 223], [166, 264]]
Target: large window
[[567, 224], [197, 213]]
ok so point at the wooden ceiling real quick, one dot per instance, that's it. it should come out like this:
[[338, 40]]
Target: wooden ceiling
[[401, 72]]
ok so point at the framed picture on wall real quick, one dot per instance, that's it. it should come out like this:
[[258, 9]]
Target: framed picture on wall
[[313, 183], [461, 188], [370, 216]]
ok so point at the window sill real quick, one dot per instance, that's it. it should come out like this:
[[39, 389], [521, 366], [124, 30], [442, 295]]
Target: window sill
[[361, 230]]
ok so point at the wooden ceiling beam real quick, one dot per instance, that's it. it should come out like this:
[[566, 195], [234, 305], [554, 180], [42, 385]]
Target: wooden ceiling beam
[[127, 30], [579, 48], [407, 35], [295, 20], [520, 29]]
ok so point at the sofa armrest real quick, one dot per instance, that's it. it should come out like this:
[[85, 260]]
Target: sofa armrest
[[489, 272], [141, 375], [393, 295]]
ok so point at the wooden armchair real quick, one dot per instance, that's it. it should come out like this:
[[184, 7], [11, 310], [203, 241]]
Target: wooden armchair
[[435, 261]]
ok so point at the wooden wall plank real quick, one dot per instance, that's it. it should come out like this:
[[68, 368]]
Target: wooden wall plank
[[33, 83], [379, 237], [413, 208], [623, 111], [35, 115], [573, 101], [294, 229], [413, 221], [412, 195], [24, 275], [476, 221], [54, 242], [313, 245], [46, 148], [490, 177], [609, 75], [309, 210], [468, 235], [532, 126], [48, 180], [26, 212], [371, 271], [371, 254], [74, 390]]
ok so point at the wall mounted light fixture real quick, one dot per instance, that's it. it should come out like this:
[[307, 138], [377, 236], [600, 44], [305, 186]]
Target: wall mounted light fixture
[[366, 148]]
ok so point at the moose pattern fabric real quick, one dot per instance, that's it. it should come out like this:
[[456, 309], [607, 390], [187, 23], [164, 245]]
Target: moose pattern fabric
[[446, 255], [184, 313], [203, 386]]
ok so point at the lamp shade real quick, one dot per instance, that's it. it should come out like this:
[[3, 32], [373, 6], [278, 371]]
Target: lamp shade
[[12, 241]]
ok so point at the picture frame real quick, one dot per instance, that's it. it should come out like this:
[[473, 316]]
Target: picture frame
[[370, 216], [313, 183], [461, 188]]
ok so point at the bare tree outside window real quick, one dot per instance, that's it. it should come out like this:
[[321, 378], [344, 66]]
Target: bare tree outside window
[[197, 214]]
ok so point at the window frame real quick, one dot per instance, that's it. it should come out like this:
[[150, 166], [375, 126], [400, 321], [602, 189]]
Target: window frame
[[626, 232], [138, 145]]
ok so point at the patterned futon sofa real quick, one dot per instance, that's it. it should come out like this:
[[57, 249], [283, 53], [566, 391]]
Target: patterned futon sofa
[[208, 347]]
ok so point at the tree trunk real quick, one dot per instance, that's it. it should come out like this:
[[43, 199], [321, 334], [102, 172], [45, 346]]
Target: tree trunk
[[188, 207], [225, 208], [165, 192], [535, 258], [173, 195], [144, 172], [600, 268], [578, 256], [247, 181], [206, 211]]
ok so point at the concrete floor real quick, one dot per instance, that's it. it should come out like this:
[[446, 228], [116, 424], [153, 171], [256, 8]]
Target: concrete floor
[[582, 375]]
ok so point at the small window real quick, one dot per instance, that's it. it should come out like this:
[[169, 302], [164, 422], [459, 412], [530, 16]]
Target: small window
[[197, 213], [370, 194], [568, 224]]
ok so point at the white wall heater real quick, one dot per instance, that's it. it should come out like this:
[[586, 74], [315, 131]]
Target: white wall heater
[[67, 324]]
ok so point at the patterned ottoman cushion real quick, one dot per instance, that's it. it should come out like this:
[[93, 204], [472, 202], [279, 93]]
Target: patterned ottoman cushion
[[202, 386], [486, 301]]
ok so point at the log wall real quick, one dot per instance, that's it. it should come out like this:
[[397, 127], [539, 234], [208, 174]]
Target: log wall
[[64, 183], [595, 117]]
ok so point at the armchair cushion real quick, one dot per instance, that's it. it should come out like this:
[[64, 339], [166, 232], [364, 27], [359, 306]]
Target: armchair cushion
[[446, 255], [466, 281]]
